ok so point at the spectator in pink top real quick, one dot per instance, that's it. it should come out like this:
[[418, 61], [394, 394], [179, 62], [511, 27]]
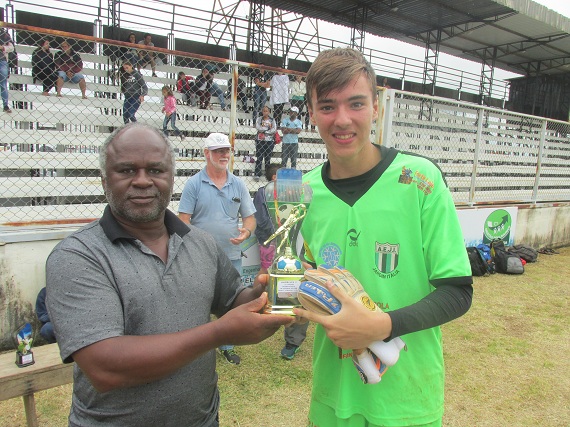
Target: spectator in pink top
[[169, 111]]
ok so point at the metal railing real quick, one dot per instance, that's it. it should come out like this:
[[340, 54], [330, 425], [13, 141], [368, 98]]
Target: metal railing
[[49, 146]]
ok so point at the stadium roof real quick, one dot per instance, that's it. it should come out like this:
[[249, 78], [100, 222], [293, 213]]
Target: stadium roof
[[528, 38]]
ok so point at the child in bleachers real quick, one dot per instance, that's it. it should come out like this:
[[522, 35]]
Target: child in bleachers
[[169, 111]]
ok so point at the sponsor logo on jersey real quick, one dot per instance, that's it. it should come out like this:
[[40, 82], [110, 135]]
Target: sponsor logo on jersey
[[353, 237], [406, 177], [423, 183], [386, 259], [330, 253]]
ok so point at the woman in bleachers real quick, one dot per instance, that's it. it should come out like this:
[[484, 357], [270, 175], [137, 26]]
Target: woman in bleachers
[[185, 85], [266, 127], [134, 88], [128, 53], [43, 66]]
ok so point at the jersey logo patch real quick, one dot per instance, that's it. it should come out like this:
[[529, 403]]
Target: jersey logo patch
[[386, 259], [423, 183], [353, 235], [330, 253], [406, 177]]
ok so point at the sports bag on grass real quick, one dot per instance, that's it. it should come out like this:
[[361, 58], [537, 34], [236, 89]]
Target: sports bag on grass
[[478, 265], [525, 252], [505, 262], [485, 252]]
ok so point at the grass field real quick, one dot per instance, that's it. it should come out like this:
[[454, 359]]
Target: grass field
[[507, 363]]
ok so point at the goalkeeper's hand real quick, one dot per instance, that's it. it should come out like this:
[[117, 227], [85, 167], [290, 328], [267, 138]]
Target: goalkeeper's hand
[[354, 326]]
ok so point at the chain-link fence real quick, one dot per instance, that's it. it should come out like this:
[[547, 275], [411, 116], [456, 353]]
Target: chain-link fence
[[68, 92]]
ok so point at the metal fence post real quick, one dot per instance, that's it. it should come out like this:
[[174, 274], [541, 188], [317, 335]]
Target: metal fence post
[[539, 161], [476, 156]]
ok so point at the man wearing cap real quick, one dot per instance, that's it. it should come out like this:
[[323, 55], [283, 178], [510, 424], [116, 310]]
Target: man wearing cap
[[291, 127], [213, 200]]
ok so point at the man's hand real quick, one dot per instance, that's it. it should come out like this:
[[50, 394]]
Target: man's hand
[[245, 325], [70, 74], [244, 234]]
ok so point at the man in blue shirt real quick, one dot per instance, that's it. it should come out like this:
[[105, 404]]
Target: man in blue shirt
[[213, 200], [291, 127]]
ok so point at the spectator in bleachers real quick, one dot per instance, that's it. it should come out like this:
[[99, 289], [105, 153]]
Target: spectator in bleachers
[[185, 85], [134, 88], [169, 111], [241, 91], [215, 90], [43, 66], [6, 46], [261, 82], [291, 127], [279, 94], [298, 91], [202, 86], [146, 56], [130, 54], [69, 65], [266, 127]]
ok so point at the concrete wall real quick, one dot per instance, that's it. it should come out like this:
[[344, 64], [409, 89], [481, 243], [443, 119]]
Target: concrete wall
[[23, 254]]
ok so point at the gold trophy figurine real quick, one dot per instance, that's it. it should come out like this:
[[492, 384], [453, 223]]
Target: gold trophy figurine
[[286, 272]]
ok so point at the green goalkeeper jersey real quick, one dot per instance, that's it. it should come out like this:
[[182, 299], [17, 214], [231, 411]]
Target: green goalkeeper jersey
[[398, 233]]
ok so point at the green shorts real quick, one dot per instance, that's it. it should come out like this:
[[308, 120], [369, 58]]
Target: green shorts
[[324, 416]]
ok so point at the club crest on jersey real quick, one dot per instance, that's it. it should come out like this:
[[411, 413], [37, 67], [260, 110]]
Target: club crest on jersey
[[330, 254], [386, 259]]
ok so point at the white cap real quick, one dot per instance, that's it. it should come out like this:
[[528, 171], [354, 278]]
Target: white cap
[[294, 109], [217, 140]]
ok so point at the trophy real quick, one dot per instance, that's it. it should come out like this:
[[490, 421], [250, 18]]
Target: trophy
[[24, 342], [287, 202]]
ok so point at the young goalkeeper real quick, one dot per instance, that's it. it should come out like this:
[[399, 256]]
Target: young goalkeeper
[[388, 217]]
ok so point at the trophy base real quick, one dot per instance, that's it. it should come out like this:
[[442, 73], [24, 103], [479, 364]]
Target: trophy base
[[23, 360], [285, 310], [282, 293]]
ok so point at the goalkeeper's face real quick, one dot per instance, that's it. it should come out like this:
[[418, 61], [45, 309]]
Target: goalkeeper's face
[[344, 118]]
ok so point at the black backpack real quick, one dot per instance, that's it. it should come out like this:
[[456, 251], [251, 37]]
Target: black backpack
[[525, 252], [478, 264], [505, 262]]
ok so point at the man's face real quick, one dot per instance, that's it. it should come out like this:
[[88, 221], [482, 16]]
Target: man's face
[[140, 176], [219, 159], [344, 119], [128, 68], [292, 115], [65, 46], [147, 39]]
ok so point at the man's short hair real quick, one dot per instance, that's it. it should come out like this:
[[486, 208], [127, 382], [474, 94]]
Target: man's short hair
[[104, 147], [334, 69]]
